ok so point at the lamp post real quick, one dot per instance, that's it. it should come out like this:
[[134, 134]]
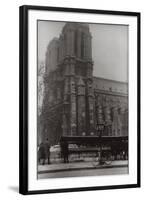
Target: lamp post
[[73, 127], [66, 107], [65, 113], [100, 129]]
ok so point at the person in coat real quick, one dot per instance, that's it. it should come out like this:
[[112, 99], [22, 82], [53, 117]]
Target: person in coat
[[41, 154], [65, 151], [47, 150]]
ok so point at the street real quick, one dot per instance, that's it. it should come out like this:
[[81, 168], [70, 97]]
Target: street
[[83, 172]]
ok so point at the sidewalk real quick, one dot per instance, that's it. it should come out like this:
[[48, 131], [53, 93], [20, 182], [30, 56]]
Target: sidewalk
[[79, 166]]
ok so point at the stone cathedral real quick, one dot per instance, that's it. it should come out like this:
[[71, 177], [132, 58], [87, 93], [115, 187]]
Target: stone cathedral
[[75, 101]]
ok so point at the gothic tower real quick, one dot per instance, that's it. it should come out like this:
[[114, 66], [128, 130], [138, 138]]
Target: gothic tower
[[68, 105], [77, 67], [75, 101]]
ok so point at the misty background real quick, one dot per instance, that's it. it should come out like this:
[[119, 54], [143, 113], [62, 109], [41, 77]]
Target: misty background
[[109, 47]]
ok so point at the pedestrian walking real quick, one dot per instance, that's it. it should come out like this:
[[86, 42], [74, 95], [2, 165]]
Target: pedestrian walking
[[65, 151], [41, 154], [47, 150]]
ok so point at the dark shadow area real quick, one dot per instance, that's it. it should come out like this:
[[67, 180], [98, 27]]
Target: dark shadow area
[[14, 188]]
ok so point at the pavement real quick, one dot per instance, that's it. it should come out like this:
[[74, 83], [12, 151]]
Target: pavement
[[59, 167]]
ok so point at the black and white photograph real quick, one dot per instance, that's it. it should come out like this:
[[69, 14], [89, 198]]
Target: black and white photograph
[[79, 99], [82, 99]]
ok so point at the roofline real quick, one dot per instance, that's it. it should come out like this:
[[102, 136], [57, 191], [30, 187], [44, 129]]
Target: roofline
[[110, 80]]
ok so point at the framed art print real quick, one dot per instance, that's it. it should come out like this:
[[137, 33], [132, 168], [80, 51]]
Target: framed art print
[[79, 99]]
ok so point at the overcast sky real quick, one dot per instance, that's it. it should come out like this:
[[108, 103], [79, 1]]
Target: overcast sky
[[109, 47]]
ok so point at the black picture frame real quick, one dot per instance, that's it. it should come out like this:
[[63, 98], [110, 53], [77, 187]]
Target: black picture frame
[[23, 105]]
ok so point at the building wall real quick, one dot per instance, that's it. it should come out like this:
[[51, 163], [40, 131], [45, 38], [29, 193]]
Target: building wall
[[110, 85], [52, 55], [114, 108], [75, 102]]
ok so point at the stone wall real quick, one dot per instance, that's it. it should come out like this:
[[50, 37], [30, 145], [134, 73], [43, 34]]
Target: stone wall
[[75, 102]]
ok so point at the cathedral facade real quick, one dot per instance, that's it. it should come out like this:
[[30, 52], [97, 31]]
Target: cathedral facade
[[75, 102]]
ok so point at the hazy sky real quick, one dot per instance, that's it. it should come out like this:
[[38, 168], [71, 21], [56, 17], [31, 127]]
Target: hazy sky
[[109, 47]]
